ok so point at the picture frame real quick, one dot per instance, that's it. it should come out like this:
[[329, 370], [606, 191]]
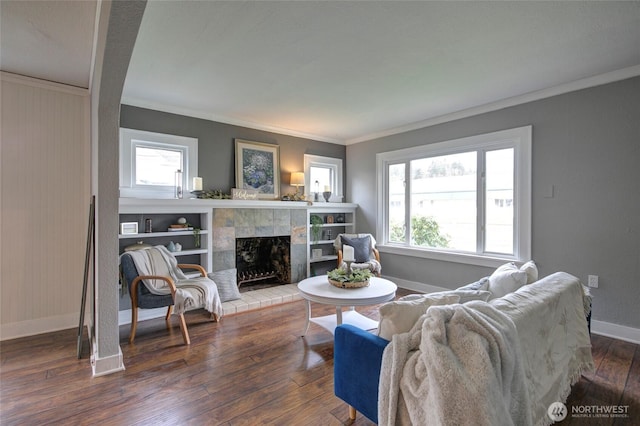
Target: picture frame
[[316, 253], [128, 228], [258, 168]]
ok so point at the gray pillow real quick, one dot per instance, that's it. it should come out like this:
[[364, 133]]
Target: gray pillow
[[226, 281], [361, 247]]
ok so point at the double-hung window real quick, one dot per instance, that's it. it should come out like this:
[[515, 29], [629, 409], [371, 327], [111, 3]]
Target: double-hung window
[[465, 200], [149, 162]]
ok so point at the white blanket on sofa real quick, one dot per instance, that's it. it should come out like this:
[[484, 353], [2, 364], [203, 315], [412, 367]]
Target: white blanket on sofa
[[460, 364], [455, 366]]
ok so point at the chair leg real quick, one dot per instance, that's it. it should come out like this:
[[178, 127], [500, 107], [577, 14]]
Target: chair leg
[[134, 323], [168, 313], [215, 317], [352, 413], [183, 329]]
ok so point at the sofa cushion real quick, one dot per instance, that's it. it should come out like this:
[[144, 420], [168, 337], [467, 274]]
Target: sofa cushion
[[531, 270], [226, 281], [481, 284], [399, 316], [466, 295], [506, 279], [361, 247]]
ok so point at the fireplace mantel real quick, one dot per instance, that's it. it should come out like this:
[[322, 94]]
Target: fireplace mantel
[[189, 204]]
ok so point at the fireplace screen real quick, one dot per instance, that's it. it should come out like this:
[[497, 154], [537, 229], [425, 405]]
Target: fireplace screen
[[263, 260]]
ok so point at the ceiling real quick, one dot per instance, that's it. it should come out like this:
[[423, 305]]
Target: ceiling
[[335, 71]]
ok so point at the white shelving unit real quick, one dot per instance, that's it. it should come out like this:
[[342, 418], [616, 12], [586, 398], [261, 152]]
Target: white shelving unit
[[327, 260], [162, 217]]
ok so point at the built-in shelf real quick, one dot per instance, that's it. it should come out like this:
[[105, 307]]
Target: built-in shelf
[[159, 234], [337, 219]]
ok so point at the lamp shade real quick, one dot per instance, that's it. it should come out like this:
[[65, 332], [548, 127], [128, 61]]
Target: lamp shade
[[297, 179]]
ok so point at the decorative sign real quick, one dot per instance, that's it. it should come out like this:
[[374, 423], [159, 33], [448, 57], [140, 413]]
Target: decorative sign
[[244, 194], [128, 228]]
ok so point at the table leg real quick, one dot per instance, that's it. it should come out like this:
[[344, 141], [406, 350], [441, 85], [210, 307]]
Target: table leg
[[306, 327], [338, 315]]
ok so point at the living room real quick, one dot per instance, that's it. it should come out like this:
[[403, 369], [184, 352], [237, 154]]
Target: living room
[[585, 207]]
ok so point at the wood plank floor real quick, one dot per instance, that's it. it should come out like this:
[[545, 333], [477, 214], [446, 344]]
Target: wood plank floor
[[251, 368]]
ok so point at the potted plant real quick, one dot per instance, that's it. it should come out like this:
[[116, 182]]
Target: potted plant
[[316, 227]]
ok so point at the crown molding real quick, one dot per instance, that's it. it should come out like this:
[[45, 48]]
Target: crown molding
[[140, 103], [43, 84], [584, 83]]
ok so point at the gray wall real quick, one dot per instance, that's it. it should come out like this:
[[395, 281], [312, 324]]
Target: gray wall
[[587, 145], [216, 149]]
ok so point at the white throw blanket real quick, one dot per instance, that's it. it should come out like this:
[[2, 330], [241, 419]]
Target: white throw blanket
[[460, 364], [191, 293]]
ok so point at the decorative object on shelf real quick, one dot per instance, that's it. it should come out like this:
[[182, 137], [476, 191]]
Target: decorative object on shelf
[[148, 226], [180, 227], [340, 218], [128, 228], [214, 194], [182, 221], [327, 193], [178, 246], [171, 246], [316, 253], [244, 194], [197, 184], [329, 218], [178, 190], [140, 245], [196, 237], [328, 235], [316, 226], [349, 279], [258, 167], [316, 192]]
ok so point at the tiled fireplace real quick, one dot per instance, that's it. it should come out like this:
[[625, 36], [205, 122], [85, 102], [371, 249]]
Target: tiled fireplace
[[230, 224]]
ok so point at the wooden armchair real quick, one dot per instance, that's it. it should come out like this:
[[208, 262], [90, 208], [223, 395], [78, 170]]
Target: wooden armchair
[[142, 298]]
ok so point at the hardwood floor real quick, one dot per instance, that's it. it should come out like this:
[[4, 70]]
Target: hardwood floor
[[251, 368]]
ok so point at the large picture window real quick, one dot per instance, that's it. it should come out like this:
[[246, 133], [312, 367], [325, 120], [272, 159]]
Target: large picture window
[[465, 200], [149, 161]]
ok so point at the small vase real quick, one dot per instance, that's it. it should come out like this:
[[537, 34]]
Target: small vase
[[326, 195]]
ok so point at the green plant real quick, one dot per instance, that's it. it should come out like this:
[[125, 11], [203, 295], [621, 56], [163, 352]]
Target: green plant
[[316, 227], [196, 237], [356, 275], [425, 232]]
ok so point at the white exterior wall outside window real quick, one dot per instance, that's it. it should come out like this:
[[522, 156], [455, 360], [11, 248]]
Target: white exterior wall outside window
[[149, 161], [465, 200]]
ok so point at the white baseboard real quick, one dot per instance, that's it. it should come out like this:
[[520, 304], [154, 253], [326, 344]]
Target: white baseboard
[[107, 365], [32, 327], [621, 332], [124, 317], [416, 286], [615, 331]]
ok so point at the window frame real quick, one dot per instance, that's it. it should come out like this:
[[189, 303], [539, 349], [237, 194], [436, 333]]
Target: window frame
[[520, 139], [132, 138], [334, 164]]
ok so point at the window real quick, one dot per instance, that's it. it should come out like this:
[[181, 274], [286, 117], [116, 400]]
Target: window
[[466, 200], [322, 173], [149, 161]]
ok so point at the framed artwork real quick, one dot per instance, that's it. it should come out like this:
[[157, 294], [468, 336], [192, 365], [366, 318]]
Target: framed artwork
[[258, 167], [128, 228]]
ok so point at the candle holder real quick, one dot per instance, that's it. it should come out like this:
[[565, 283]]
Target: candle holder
[[348, 262], [326, 195]]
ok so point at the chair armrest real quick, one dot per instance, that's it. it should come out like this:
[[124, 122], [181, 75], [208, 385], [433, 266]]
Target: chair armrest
[[376, 253], [193, 266], [357, 360], [139, 278]]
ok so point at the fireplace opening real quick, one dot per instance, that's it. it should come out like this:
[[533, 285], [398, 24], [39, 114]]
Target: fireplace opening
[[263, 261]]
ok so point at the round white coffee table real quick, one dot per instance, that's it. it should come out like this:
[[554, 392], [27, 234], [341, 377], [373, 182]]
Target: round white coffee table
[[317, 289]]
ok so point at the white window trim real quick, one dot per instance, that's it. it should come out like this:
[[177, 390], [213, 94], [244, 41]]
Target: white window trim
[[129, 139], [335, 164], [520, 139]]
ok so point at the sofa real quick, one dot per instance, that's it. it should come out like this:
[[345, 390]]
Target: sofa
[[472, 357]]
